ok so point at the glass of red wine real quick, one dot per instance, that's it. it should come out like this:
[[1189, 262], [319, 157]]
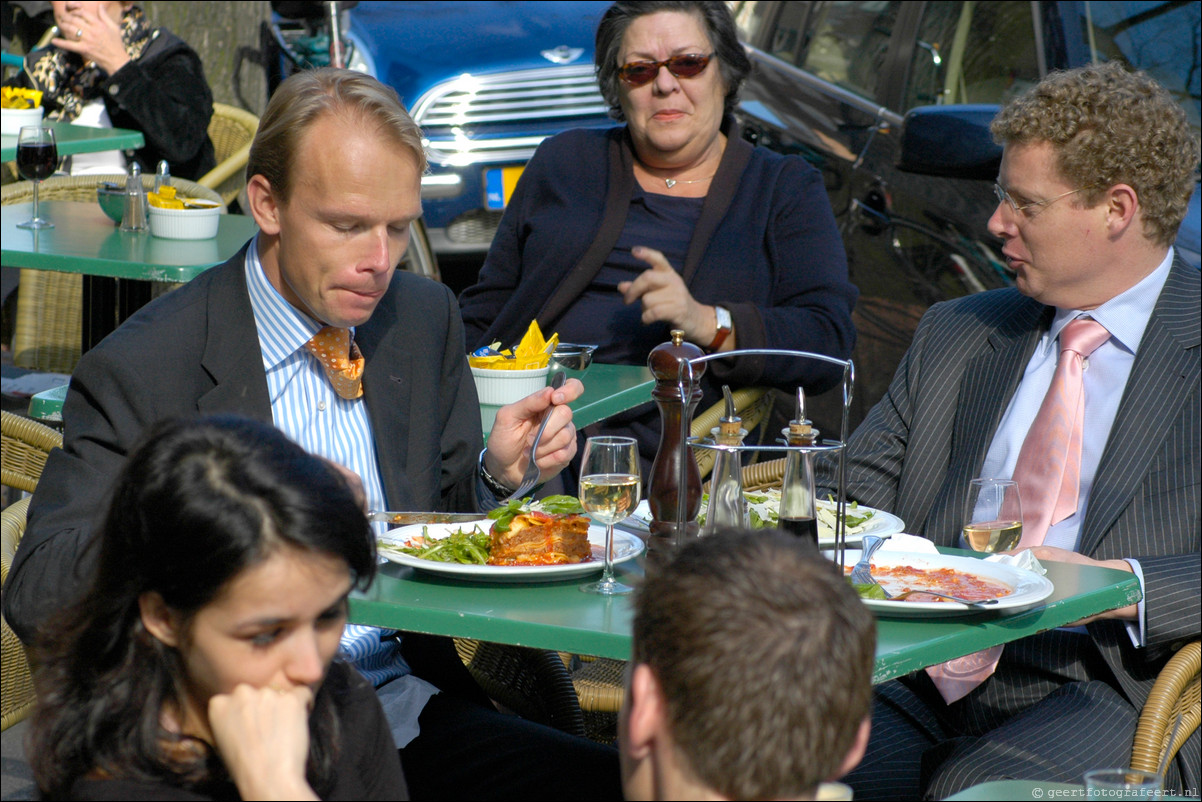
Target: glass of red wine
[[37, 159]]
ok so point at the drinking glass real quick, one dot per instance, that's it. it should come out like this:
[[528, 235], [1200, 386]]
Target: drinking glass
[[610, 488], [37, 159], [993, 516], [1122, 784]]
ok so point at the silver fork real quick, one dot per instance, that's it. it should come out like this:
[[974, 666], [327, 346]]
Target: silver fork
[[861, 572], [969, 602], [530, 477]]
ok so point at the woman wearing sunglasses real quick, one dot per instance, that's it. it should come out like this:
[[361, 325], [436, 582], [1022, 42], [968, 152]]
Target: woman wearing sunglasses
[[671, 221], [200, 663]]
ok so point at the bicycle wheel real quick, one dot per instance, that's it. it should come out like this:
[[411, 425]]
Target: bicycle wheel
[[944, 267]]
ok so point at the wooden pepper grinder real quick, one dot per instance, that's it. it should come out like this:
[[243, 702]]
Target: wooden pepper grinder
[[668, 529]]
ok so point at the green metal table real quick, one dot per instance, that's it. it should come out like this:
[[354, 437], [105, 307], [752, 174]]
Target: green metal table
[[608, 390], [116, 266], [73, 139], [557, 615]]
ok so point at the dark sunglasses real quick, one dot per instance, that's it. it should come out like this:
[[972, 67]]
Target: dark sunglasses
[[637, 73]]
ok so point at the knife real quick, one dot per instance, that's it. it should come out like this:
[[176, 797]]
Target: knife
[[402, 518]]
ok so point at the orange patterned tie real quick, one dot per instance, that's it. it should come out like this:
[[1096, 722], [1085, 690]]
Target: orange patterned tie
[[1048, 473], [341, 359]]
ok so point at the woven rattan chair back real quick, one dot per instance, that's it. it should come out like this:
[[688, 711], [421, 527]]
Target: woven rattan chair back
[[17, 699], [1177, 692], [26, 445], [753, 404], [231, 131], [48, 326]]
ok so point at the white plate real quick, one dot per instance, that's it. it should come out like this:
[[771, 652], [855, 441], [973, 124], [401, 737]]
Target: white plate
[[1029, 587], [626, 547], [882, 524]]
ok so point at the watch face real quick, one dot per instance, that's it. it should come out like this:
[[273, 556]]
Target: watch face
[[723, 316]]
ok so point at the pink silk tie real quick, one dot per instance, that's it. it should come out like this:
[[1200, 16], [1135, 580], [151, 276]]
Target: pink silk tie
[[341, 359], [1048, 473]]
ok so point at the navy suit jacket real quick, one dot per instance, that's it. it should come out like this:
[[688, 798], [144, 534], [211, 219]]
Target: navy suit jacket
[[195, 351]]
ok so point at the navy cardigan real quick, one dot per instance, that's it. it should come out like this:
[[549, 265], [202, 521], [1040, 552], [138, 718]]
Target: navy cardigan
[[766, 247]]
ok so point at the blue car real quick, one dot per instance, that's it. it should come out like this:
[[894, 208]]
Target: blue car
[[487, 82]]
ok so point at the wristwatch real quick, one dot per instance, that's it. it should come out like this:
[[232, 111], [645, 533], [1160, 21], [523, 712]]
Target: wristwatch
[[725, 326], [493, 484]]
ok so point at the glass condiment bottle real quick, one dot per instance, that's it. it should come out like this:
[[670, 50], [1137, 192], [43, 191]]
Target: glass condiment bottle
[[798, 512], [672, 522], [162, 175], [134, 218], [727, 506]]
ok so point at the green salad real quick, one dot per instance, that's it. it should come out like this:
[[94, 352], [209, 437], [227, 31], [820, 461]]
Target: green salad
[[763, 507]]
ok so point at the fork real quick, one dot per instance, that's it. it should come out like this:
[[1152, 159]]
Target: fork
[[969, 602], [530, 477], [861, 572]]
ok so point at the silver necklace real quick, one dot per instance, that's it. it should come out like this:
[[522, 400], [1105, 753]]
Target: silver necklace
[[671, 182]]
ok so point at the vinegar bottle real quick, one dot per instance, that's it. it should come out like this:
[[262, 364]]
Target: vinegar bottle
[[727, 505], [798, 513]]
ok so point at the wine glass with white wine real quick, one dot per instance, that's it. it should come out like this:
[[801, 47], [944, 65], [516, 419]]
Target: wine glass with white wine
[[610, 489], [993, 515]]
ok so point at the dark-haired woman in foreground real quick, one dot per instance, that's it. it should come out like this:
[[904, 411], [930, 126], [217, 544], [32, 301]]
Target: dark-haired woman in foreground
[[200, 662]]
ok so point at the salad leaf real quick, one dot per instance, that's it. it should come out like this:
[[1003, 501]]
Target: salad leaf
[[552, 505], [503, 515], [870, 591], [560, 505], [470, 547]]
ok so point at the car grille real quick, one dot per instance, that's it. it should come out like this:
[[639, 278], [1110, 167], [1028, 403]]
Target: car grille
[[480, 119]]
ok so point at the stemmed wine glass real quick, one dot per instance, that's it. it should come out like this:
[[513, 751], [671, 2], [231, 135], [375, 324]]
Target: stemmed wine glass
[[993, 516], [37, 159], [610, 488]]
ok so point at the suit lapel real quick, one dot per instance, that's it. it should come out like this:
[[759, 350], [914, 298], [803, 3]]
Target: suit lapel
[[1163, 375], [231, 355], [387, 390], [986, 387]]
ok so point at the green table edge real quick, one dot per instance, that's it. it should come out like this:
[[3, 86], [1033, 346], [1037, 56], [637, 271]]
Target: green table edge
[[48, 404], [109, 139]]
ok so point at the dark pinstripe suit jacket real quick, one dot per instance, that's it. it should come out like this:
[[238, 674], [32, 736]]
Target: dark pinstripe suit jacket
[[918, 447]]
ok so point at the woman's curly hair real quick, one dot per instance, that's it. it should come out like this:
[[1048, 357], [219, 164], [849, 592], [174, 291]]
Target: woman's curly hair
[[1110, 126]]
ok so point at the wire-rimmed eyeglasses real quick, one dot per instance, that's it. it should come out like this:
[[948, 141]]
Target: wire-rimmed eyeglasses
[[1003, 195]]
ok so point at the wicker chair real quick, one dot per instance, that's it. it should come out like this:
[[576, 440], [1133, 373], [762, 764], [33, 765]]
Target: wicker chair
[[26, 443], [533, 683], [1177, 692], [231, 131], [48, 328], [17, 679]]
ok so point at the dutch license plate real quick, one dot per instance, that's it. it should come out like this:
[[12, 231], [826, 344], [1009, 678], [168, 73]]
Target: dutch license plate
[[499, 183]]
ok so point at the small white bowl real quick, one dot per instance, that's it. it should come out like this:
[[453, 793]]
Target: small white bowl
[[11, 120], [506, 386], [184, 223]]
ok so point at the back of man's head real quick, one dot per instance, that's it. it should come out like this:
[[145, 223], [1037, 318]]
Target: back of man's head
[[1110, 126], [764, 656]]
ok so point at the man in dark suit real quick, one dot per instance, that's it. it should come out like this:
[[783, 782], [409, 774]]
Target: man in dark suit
[[1097, 170], [334, 183]]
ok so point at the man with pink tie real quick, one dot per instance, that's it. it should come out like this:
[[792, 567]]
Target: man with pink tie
[[1083, 385]]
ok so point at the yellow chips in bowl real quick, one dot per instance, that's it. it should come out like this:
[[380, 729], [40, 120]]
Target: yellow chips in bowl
[[532, 353]]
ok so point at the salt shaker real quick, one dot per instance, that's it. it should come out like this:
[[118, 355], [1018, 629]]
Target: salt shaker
[[798, 513], [727, 506], [162, 176], [134, 219]]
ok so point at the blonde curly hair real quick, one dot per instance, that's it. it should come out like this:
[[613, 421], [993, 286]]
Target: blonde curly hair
[[1110, 126]]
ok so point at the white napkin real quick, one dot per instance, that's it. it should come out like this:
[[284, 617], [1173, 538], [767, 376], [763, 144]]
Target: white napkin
[[913, 544]]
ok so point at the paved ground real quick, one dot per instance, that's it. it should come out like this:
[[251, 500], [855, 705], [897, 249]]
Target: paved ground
[[15, 780]]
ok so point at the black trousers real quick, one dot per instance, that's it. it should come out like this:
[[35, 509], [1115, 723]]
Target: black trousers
[[467, 751], [1052, 711]]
